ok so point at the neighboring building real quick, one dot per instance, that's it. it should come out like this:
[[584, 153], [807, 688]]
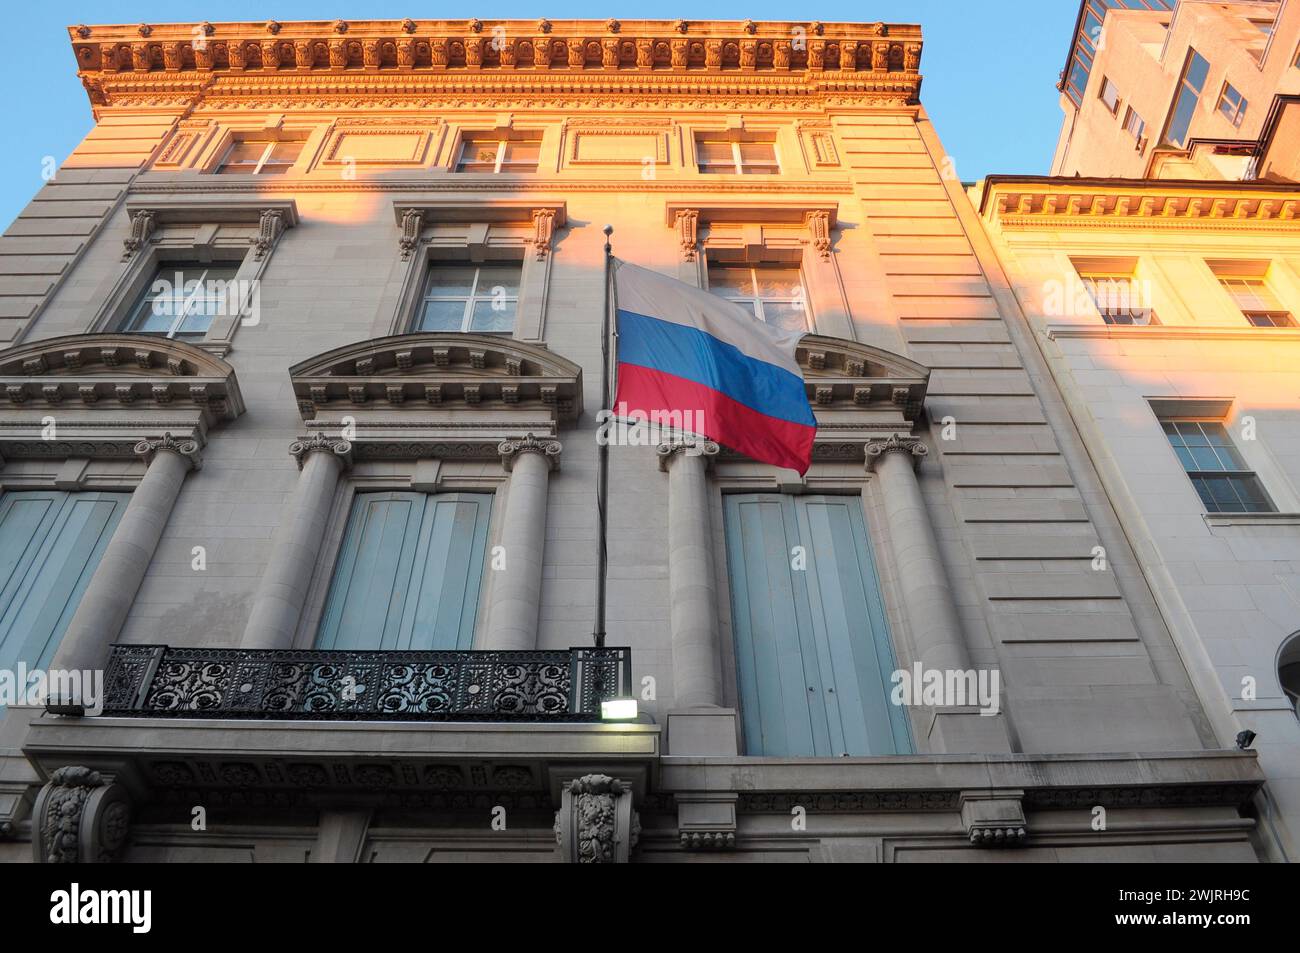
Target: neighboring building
[[315, 525], [1184, 90]]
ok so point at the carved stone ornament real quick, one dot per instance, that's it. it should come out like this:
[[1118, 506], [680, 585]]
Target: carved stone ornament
[[688, 233], [270, 225], [543, 230], [303, 447], [548, 450], [185, 447], [412, 225], [596, 823], [819, 227], [687, 447], [79, 817], [876, 450], [142, 226]]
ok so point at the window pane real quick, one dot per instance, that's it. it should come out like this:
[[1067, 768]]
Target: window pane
[[443, 316], [287, 151], [779, 283], [714, 151], [493, 315], [789, 316], [1197, 71], [1182, 120], [762, 152], [478, 155], [730, 282], [243, 157], [523, 154], [498, 279], [449, 280]]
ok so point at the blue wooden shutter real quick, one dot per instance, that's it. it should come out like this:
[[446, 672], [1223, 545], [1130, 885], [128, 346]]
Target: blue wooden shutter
[[409, 573], [50, 544], [813, 653]]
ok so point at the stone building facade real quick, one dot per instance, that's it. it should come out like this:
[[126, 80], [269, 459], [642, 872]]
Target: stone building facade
[[308, 532]]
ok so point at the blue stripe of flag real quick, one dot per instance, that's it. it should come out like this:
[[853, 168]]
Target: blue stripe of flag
[[696, 356]]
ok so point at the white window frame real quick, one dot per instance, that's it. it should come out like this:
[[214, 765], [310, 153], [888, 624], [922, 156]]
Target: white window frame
[[467, 316], [738, 164], [239, 139], [1106, 84], [172, 333], [502, 142]]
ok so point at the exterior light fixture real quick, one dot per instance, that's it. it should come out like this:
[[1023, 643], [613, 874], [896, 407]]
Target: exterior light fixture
[[1245, 739], [618, 709]]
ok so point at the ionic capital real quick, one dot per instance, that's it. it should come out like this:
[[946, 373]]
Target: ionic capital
[[186, 448], [547, 449], [687, 447], [876, 450], [303, 447]]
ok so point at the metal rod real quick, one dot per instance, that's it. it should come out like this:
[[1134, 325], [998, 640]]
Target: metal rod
[[602, 454]]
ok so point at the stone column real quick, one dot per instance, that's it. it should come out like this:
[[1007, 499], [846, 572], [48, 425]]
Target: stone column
[[514, 594], [927, 595], [104, 606], [693, 592], [283, 589]]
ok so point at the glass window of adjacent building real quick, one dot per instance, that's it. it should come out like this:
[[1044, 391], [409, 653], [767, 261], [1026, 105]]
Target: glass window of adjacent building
[[182, 299], [1247, 284], [1195, 72], [1109, 95], [1088, 38], [1119, 296], [1135, 126], [491, 153], [1216, 468], [1232, 104], [773, 293], [259, 155], [718, 155], [464, 296]]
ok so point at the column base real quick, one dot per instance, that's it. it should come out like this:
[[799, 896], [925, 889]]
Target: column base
[[704, 731], [964, 730]]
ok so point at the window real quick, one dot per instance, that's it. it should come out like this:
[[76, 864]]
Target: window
[[1109, 95], [1195, 72], [722, 156], [813, 651], [772, 293], [1088, 39], [1216, 467], [1119, 298], [467, 297], [50, 545], [1232, 104], [1257, 302], [409, 573], [1135, 126], [254, 155], [182, 299], [491, 153]]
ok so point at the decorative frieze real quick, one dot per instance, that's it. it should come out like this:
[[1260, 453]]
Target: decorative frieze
[[1065, 203]]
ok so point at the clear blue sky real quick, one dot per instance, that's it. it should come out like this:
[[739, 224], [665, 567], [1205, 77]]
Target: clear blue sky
[[990, 67]]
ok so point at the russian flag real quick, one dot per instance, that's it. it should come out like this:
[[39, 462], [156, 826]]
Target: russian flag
[[683, 351]]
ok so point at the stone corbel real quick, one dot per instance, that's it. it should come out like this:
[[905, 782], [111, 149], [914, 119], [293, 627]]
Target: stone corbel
[[994, 818], [596, 823], [143, 223], [543, 231], [548, 450], [819, 227], [412, 225], [688, 233], [270, 225], [707, 821], [79, 817], [896, 443]]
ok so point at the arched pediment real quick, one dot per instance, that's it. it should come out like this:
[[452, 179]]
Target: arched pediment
[[107, 371], [448, 370], [842, 373]]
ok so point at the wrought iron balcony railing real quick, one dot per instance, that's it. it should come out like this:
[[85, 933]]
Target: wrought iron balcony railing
[[540, 686]]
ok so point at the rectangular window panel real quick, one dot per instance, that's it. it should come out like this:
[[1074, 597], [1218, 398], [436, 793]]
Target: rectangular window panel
[[409, 572], [50, 544], [1257, 302], [181, 300], [774, 294], [1134, 124], [252, 155], [1119, 298], [489, 153], [1195, 72], [481, 298], [722, 156], [1110, 95], [1216, 467], [813, 651], [1232, 105]]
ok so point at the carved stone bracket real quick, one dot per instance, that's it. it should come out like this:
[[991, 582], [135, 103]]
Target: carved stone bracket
[[143, 222], [79, 817], [896, 443], [819, 227], [412, 225], [270, 225], [596, 823], [549, 450], [187, 448], [994, 818], [543, 230], [707, 821], [687, 447], [303, 447], [688, 232]]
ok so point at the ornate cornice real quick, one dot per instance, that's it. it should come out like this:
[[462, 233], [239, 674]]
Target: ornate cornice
[[548, 450], [876, 450]]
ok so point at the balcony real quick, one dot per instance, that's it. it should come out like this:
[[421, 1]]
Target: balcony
[[565, 685]]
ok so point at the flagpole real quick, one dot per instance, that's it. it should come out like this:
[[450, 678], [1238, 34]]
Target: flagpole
[[602, 454]]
